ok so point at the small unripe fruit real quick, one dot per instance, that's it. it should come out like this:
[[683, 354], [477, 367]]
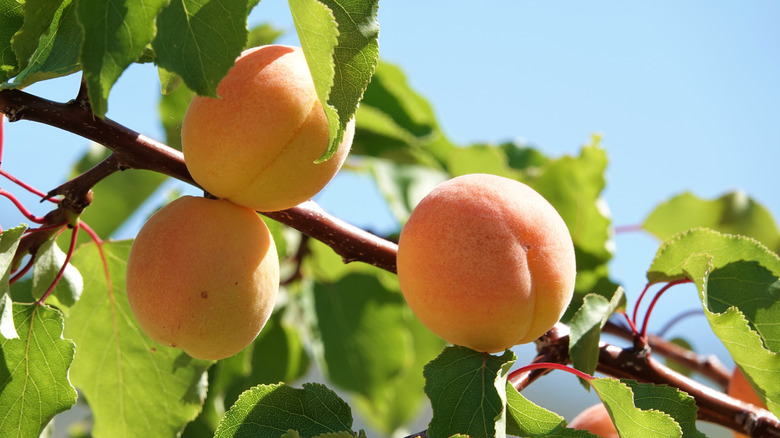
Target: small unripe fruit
[[256, 143], [486, 262], [595, 420], [203, 275], [740, 388]]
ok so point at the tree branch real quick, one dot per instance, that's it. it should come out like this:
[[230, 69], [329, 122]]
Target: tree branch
[[136, 151]]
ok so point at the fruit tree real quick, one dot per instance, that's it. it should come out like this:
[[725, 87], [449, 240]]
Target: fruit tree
[[246, 309]]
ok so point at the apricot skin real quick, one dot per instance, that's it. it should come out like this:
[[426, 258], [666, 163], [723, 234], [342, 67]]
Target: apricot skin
[[203, 275], [256, 144], [740, 388], [595, 420], [486, 262]]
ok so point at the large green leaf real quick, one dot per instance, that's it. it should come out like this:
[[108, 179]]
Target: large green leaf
[[11, 20], [199, 40], [732, 213], [38, 16], [398, 402], [403, 185], [134, 386], [272, 410], [116, 32], [340, 42], [396, 122], [675, 403], [468, 392], [361, 326], [630, 419], [738, 282], [34, 382], [57, 49], [527, 419]]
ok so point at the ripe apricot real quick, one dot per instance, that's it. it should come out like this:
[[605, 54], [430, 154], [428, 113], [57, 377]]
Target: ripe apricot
[[595, 420], [257, 142], [740, 388], [486, 262], [202, 275]]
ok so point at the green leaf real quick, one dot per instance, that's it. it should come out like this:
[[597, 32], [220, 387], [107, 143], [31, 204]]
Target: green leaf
[[361, 326], [262, 35], [398, 402], [586, 328], [48, 261], [468, 392], [397, 123], [573, 185], [9, 241], [527, 419], [340, 42], [618, 398], [732, 213], [480, 158], [673, 402], [116, 197], [38, 16], [116, 33], [34, 382], [134, 386], [737, 279], [272, 410], [199, 40], [290, 361], [11, 20], [403, 185], [57, 50]]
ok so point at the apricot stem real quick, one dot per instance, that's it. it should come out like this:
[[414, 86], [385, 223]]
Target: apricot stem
[[550, 366], [655, 300], [26, 186], [22, 209]]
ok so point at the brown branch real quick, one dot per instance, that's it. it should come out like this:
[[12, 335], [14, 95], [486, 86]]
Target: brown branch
[[714, 406], [708, 366], [136, 151]]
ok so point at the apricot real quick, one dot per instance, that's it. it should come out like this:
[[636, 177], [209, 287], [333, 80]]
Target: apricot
[[256, 144], [740, 388], [486, 262], [202, 275], [595, 420]]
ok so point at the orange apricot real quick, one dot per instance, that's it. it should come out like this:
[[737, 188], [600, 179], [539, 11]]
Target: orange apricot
[[256, 144], [486, 262], [595, 420], [740, 388], [202, 275]]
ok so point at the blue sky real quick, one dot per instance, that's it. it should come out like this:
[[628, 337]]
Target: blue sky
[[685, 94]]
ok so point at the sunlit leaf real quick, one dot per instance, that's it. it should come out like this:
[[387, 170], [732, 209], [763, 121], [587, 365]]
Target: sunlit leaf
[[57, 51], [738, 282], [630, 420], [48, 261], [34, 382], [340, 41], [271, 410], [732, 213], [527, 419], [11, 20], [134, 386]]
